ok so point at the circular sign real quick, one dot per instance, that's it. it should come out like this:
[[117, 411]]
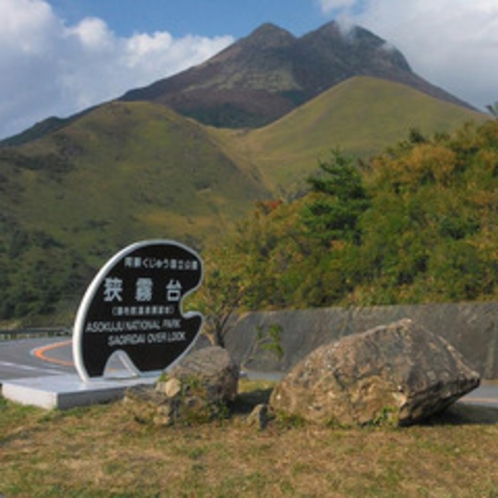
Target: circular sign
[[134, 305]]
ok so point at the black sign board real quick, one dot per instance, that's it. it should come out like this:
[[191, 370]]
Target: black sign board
[[134, 305]]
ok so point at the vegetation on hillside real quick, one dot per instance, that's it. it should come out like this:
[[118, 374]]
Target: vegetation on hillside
[[132, 171], [362, 115], [122, 173], [415, 224]]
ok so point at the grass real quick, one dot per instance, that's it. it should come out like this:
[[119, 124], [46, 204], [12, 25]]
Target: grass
[[362, 116], [137, 158], [101, 452]]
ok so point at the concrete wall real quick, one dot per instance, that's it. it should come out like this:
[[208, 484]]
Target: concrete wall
[[472, 328]]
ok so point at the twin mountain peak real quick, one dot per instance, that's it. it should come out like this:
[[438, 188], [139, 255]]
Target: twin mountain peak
[[264, 76]]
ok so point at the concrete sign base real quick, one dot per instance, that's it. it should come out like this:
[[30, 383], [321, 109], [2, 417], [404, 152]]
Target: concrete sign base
[[68, 391]]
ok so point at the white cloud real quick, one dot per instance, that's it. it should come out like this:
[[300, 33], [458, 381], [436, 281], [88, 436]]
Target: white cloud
[[451, 43], [49, 68], [332, 5]]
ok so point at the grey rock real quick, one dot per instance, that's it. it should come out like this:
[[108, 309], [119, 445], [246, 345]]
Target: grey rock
[[258, 417], [194, 391], [213, 368], [149, 406], [400, 373]]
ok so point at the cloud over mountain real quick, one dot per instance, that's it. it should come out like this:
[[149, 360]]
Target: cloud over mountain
[[452, 43], [49, 67]]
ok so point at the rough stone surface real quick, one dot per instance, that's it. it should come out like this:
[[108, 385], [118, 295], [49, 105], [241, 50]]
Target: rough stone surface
[[214, 368], [194, 391], [149, 406], [400, 373], [258, 417]]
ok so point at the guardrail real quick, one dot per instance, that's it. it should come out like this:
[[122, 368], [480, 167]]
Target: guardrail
[[32, 333]]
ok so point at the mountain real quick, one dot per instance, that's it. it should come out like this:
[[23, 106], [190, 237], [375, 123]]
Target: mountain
[[75, 191], [44, 127], [126, 168], [264, 76]]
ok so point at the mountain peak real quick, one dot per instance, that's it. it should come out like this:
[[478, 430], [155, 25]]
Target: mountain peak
[[269, 35], [360, 45], [267, 74]]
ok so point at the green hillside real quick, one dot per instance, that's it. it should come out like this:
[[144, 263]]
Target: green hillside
[[133, 169], [127, 171], [415, 224], [124, 172], [362, 116]]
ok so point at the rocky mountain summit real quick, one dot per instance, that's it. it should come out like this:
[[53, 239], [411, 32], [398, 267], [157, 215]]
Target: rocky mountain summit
[[264, 76]]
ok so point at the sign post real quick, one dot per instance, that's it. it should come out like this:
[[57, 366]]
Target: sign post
[[134, 305]]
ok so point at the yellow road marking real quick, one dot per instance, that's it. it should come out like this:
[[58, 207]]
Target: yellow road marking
[[40, 353]]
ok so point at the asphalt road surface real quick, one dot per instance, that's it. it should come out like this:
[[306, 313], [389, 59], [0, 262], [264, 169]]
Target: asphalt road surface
[[40, 357], [20, 359], [53, 356]]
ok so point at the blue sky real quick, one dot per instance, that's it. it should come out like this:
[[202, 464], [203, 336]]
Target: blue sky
[[58, 57], [200, 17]]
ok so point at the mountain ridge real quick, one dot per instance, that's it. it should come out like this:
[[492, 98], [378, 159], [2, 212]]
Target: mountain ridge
[[267, 74]]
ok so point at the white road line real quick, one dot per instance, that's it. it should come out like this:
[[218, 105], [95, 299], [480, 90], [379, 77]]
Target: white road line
[[18, 366]]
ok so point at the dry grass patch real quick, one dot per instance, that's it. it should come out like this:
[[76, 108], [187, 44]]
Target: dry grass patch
[[100, 452]]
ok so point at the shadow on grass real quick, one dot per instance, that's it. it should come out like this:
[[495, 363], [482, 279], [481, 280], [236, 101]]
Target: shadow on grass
[[465, 414], [246, 401]]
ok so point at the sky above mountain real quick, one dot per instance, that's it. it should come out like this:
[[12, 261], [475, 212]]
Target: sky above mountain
[[58, 57]]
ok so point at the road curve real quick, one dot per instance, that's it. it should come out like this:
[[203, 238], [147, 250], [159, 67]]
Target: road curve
[[18, 358]]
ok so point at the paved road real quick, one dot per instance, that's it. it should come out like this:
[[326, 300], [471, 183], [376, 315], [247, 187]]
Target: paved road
[[18, 359], [486, 394], [40, 357], [53, 356]]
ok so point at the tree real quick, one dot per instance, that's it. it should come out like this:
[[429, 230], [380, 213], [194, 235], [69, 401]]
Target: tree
[[339, 200], [493, 109], [220, 295]]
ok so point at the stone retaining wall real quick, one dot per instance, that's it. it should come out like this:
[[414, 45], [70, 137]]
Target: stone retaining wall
[[472, 328]]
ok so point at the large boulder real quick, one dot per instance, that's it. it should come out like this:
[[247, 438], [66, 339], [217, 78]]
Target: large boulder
[[400, 373], [213, 368], [196, 390]]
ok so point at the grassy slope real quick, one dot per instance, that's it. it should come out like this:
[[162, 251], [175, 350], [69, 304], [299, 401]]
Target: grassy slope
[[122, 173], [362, 116], [135, 170], [132, 170], [129, 171]]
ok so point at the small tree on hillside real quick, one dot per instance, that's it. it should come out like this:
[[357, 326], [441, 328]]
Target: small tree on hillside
[[493, 109], [340, 199], [220, 296]]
